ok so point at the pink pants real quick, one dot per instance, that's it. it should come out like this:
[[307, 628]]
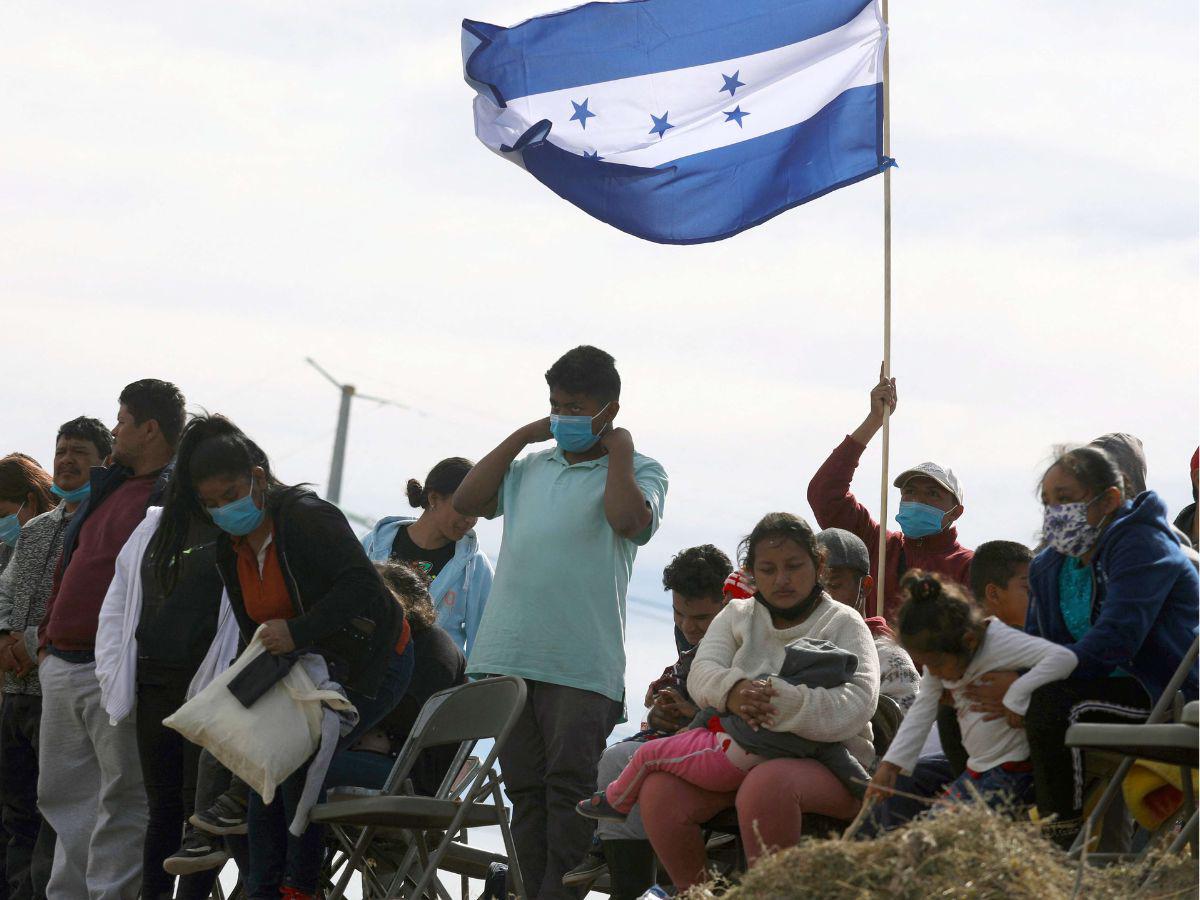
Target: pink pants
[[770, 804], [697, 756]]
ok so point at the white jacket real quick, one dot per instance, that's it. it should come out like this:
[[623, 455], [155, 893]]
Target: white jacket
[[116, 634], [743, 643]]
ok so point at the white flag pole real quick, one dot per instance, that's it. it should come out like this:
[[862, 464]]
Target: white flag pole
[[881, 569]]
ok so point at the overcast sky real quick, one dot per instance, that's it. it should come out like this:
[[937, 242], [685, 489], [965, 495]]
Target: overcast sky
[[208, 193]]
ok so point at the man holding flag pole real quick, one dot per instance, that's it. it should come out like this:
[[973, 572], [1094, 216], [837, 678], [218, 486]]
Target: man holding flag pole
[[931, 500]]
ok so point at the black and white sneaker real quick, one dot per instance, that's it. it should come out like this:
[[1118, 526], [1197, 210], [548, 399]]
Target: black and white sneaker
[[198, 853], [227, 815]]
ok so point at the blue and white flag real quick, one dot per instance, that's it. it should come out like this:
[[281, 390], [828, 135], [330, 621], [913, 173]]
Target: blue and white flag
[[683, 121]]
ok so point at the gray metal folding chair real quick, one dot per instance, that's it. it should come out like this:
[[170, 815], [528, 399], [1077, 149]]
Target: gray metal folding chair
[[482, 710], [1157, 739]]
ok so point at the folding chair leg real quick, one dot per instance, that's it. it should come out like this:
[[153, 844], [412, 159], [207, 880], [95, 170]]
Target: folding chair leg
[[510, 847], [465, 889], [1189, 832], [1093, 823], [352, 863]]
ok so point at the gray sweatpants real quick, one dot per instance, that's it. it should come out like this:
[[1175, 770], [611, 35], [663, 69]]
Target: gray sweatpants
[[614, 759], [89, 788]]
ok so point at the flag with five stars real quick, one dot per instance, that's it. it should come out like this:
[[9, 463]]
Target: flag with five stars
[[682, 121]]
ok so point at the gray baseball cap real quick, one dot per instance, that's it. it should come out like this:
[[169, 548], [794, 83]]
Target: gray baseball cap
[[943, 475], [844, 550]]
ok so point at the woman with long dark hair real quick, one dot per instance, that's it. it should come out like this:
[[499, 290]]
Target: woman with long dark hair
[[292, 567], [752, 636], [154, 627]]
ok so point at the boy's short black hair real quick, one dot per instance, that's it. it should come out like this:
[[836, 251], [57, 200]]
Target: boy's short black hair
[[698, 572], [996, 562], [586, 370], [158, 400], [84, 429]]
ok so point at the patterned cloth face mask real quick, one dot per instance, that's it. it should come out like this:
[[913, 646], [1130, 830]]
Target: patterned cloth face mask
[[1065, 527]]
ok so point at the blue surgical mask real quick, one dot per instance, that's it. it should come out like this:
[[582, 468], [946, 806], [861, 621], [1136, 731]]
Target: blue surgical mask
[[918, 520], [240, 517], [574, 433], [10, 527], [76, 496]]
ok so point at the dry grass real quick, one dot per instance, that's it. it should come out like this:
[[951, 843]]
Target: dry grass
[[963, 851]]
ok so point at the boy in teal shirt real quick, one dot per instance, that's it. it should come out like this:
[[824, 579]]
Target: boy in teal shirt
[[574, 517]]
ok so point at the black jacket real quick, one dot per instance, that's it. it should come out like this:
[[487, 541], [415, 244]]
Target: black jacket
[[343, 610]]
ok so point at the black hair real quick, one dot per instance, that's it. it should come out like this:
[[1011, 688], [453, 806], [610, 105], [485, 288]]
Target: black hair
[[781, 526], [22, 475], [937, 615], [698, 573], [1092, 467], [91, 430], [588, 371], [210, 446], [996, 562], [158, 400], [410, 586], [444, 479]]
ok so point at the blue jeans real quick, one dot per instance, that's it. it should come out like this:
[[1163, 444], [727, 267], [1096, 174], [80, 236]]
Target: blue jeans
[[280, 858], [999, 788], [371, 710], [930, 776]]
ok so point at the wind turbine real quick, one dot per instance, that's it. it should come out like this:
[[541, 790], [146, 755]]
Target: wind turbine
[[333, 491]]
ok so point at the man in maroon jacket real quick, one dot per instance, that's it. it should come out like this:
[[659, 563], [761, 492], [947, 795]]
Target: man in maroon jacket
[[930, 502], [90, 786]]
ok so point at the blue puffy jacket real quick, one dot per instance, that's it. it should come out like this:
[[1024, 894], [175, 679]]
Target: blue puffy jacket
[[1144, 600]]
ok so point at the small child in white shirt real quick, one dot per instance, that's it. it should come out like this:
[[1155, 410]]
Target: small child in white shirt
[[950, 640]]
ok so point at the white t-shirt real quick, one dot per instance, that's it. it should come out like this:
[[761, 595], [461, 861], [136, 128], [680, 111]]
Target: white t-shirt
[[988, 743]]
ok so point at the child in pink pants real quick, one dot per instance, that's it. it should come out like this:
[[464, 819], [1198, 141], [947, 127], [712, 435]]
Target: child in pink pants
[[706, 757]]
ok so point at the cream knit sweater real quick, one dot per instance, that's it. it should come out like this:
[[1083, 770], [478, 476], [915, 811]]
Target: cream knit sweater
[[742, 642]]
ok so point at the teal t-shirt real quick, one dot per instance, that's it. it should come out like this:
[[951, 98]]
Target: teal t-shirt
[[556, 611], [1075, 596], [1075, 600]]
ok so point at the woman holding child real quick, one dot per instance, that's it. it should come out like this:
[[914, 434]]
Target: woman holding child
[[736, 672], [1115, 588]]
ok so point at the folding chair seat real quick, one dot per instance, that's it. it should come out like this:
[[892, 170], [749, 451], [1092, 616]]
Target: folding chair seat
[[416, 834], [412, 812], [1176, 744]]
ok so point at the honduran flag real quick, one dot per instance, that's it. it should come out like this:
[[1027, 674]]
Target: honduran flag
[[683, 121]]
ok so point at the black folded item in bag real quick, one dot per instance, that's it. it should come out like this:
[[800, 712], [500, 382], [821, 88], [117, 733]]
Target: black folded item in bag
[[260, 674]]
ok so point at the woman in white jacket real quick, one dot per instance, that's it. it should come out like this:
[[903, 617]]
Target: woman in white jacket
[[732, 673], [151, 641]]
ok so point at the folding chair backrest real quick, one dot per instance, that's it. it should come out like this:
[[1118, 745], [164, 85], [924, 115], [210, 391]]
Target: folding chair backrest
[[479, 710]]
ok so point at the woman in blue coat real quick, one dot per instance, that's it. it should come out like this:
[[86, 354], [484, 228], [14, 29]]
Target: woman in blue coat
[[1113, 585], [442, 543]]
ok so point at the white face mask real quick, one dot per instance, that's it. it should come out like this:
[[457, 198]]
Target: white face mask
[[1065, 527]]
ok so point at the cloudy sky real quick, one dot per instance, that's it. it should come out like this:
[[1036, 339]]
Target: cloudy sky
[[208, 193]]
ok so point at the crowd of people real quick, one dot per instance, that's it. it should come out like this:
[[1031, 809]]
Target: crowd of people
[[154, 552]]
